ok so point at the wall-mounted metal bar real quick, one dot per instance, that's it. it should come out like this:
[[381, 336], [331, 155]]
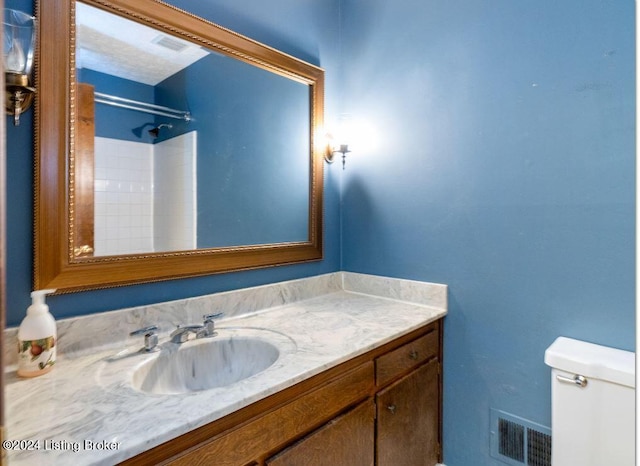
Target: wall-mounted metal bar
[[141, 106]]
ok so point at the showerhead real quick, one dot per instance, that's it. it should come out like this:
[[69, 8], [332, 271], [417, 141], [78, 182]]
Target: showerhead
[[138, 131], [155, 131]]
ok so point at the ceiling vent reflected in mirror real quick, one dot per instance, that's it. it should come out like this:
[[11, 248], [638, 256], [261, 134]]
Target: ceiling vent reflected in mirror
[[170, 43]]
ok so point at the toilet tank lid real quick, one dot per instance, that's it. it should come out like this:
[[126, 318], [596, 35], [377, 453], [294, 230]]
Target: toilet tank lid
[[590, 360]]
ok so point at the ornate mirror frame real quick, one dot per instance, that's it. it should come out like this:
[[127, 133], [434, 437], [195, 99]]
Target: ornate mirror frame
[[55, 204]]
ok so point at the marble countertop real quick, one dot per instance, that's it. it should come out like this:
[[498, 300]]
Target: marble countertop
[[86, 412]]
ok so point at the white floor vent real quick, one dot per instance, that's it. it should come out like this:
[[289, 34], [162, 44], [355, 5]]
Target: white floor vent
[[519, 442]]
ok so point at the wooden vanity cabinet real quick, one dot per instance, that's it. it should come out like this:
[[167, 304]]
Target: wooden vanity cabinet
[[409, 403], [348, 440], [407, 419], [383, 407]]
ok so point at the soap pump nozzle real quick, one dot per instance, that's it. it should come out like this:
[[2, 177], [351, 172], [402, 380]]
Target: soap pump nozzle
[[37, 300], [37, 296]]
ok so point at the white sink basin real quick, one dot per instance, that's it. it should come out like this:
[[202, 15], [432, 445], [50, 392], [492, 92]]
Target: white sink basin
[[232, 356], [204, 364]]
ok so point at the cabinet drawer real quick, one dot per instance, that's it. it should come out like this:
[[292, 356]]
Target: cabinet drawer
[[274, 429], [345, 440], [412, 354]]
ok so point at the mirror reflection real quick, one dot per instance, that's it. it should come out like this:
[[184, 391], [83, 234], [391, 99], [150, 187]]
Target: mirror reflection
[[179, 147]]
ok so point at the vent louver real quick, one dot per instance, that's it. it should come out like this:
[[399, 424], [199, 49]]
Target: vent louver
[[519, 442], [169, 43]]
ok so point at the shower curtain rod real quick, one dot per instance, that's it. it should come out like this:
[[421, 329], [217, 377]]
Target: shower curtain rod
[[141, 106]]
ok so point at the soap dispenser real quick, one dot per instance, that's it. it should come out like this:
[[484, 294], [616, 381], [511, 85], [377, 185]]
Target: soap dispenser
[[37, 338]]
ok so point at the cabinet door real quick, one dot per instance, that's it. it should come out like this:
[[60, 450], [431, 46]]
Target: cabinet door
[[408, 419], [346, 440]]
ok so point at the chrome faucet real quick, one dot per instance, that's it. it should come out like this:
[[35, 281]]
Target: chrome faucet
[[207, 329], [181, 334]]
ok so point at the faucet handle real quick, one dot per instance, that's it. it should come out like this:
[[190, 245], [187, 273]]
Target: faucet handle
[[144, 330], [150, 337], [209, 324], [212, 316]]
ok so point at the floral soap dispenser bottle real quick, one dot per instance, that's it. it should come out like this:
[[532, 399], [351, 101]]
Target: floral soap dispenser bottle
[[37, 338]]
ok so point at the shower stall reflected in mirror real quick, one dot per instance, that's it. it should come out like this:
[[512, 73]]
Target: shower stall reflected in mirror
[[144, 180], [145, 195]]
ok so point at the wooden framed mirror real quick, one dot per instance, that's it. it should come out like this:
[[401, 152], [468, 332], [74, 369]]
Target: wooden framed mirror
[[247, 191]]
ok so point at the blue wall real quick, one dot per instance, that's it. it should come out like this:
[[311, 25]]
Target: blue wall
[[243, 187], [310, 33], [505, 170]]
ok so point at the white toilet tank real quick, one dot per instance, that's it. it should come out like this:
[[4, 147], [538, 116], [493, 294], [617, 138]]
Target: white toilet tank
[[593, 404]]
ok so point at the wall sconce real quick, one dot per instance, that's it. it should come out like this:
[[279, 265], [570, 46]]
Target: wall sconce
[[19, 40], [330, 154]]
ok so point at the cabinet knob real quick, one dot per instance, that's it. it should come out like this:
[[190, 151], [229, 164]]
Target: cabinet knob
[[392, 409], [413, 355]]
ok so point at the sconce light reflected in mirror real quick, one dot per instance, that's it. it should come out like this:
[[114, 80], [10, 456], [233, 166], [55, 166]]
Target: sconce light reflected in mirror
[[329, 155], [19, 40]]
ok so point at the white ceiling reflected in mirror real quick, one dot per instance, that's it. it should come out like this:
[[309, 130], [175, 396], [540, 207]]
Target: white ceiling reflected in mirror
[[120, 47], [188, 149]]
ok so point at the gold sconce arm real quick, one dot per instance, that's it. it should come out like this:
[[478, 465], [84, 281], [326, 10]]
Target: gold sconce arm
[[330, 153], [18, 95]]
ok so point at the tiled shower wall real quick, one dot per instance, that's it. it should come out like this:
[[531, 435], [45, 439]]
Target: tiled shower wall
[[123, 197], [175, 193], [145, 195]]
